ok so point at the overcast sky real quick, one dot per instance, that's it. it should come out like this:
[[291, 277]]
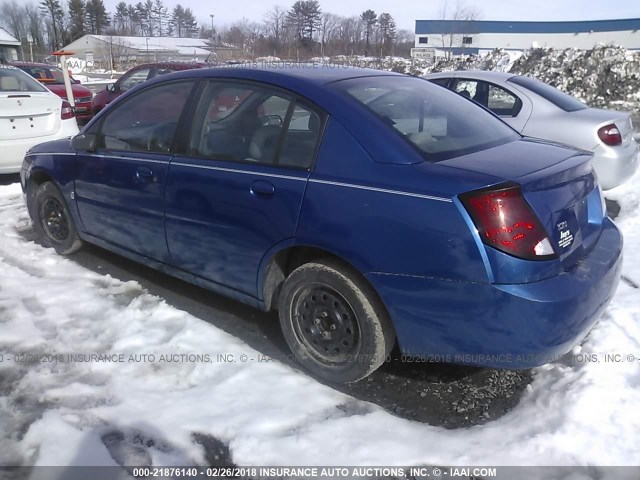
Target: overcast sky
[[406, 12]]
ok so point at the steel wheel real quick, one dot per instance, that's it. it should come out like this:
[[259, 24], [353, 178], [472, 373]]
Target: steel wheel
[[325, 323], [54, 220]]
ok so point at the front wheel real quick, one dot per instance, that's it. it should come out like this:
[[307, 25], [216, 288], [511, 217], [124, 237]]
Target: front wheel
[[52, 221], [334, 322]]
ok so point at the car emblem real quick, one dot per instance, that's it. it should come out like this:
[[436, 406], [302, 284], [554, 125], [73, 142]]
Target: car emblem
[[566, 237], [19, 103]]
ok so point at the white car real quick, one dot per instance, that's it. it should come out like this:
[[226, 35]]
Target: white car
[[29, 114], [536, 109]]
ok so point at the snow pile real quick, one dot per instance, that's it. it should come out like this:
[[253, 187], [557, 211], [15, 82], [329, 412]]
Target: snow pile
[[602, 77], [148, 411]]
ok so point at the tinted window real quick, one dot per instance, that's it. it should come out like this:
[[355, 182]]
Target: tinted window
[[443, 82], [14, 80], [147, 121], [437, 122], [301, 138], [132, 79], [552, 94], [253, 124]]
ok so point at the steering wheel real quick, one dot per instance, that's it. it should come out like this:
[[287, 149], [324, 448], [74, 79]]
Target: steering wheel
[[161, 137]]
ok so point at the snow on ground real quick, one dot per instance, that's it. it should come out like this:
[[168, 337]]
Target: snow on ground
[[63, 412]]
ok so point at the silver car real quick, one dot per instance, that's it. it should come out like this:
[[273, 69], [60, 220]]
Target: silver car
[[536, 109]]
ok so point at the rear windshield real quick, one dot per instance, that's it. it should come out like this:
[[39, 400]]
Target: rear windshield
[[438, 122], [15, 80], [552, 94], [51, 76]]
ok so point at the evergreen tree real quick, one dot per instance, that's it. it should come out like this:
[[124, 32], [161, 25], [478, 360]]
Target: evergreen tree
[[121, 18], [304, 17], [97, 17], [388, 31], [369, 18], [53, 9], [76, 19]]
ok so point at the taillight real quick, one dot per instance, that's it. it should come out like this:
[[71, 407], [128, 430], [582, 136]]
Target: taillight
[[610, 135], [506, 222], [66, 112]]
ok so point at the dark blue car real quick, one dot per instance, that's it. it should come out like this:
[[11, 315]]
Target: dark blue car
[[369, 208]]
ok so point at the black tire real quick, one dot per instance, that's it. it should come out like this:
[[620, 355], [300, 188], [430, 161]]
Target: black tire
[[334, 322], [52, 221]]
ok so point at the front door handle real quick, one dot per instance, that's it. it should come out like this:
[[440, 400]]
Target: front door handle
[[262, 187], [144, 174]]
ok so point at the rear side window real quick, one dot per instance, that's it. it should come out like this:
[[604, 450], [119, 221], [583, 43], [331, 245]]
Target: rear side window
[[252, 124], [549, 93], [438, 122], [147, 121]]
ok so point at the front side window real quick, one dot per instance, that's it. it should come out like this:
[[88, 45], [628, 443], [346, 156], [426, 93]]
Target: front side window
[[443, 82], [147, 121], [438, 123], [132, 79], [253, 124]]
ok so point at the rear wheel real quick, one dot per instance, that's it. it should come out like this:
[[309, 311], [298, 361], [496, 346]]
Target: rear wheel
[[334, 322], [52, 221]]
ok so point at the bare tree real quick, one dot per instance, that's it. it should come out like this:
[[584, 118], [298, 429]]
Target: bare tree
[[456, 22], [328, 26], [274, 25]]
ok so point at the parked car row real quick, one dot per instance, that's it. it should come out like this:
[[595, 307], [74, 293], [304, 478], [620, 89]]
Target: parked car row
[[370, 209]]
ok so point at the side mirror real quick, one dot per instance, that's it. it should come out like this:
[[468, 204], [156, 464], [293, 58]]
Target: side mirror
[[112, 88], [77, 82], [84, 142]]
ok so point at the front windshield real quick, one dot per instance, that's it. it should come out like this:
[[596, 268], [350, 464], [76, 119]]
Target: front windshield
[[439, 123], [15, 80]]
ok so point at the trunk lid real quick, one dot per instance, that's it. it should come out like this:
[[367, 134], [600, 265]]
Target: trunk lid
[[28, 115], [599, 117], [557, 182]]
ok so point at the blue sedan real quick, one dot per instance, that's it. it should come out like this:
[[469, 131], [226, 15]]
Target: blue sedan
[[370, 209]]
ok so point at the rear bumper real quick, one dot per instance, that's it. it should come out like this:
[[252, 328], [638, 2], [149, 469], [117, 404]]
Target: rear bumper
[[615, 165], [503, 326], [13, 151]]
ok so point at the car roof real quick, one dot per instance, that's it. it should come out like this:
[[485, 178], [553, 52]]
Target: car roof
[[174, 65], [34, 64], [305, 72], [478, 74]]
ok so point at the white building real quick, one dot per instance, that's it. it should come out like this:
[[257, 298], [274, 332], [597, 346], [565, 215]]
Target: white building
[[101, 50], [473, 37], [8, 46]]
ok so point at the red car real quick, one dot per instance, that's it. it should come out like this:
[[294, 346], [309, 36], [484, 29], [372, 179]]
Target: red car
[[51, 77], [137, 75]]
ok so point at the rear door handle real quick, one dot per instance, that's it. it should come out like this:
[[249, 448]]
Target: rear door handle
[[262, 187], [144, 174]]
